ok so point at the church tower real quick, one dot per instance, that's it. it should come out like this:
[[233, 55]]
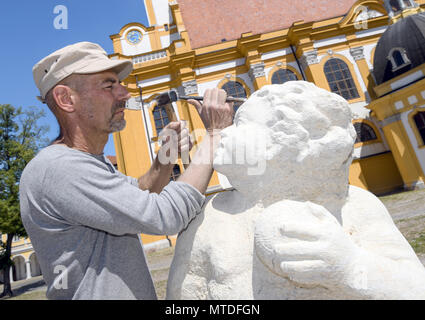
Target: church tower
[[400, 8], [399, 73]]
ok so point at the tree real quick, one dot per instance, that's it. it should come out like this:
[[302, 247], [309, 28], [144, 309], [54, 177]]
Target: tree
[[20, 139]]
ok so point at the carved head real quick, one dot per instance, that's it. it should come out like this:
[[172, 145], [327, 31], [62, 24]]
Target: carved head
[[287, 135]]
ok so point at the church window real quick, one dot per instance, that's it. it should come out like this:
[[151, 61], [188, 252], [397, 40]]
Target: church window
[[162, 116], [235, 90], [340, 79], [420, 124], [409, 3], [399, 5], [364, 132], [398, 58], [175, 173], [282, 76], [395, 5]]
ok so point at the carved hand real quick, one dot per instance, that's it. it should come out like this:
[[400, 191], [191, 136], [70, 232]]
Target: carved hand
[[305, 243]]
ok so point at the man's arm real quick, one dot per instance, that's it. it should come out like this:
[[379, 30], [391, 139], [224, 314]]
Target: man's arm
[[156, 178], [216, 115], [199, 172], [159, 174]]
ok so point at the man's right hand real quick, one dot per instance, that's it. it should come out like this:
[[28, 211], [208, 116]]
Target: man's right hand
[[215, 112], [216, 115]]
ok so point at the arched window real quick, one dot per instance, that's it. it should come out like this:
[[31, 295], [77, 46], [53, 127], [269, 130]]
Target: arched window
[[340, 79], [398, 58], [236, 90], [397, 5], [409, 3], [162, 116], [34, 266], [175, 173], [420, 124], [282, 76], [19, 270], [364, 132]]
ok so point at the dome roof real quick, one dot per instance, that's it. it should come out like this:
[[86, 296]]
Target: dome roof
[[400, 49]]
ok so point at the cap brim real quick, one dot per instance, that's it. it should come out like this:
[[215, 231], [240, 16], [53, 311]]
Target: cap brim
[[123, 68]]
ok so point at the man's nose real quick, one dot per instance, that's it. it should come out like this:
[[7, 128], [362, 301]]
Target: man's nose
[[123, 93]]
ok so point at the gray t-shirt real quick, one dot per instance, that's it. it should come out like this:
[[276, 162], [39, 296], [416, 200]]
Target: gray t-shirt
[[84, 219]]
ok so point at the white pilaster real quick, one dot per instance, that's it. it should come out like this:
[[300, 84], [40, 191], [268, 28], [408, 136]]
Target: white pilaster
[[28, 267]]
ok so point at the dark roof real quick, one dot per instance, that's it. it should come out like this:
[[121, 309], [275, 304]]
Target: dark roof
[[408, 34]]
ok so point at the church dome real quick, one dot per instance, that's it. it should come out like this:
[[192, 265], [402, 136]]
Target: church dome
[[400, 49]]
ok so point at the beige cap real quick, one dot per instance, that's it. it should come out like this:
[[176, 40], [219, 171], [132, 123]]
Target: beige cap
[[81, 58]]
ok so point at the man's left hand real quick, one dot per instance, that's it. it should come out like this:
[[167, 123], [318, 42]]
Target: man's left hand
[[175, 142]]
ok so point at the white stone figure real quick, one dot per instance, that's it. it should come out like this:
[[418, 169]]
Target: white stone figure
[[293, 228]]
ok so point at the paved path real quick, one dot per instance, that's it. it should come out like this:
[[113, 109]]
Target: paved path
[[159, 263], [405, 204], [24, 286], [407, 208]]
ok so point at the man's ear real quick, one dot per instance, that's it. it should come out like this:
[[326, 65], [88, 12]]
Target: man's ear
[[64, 99]]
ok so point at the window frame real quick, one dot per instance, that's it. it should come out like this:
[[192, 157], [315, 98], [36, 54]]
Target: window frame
[[287, 70], [421, 130], [169, 110], [236, 105], [344, 79], [174, 176], [403, 55], [370, 129]]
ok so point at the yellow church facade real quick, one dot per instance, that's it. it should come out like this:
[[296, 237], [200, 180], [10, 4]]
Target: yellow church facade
[[384, 157], [336, 54]]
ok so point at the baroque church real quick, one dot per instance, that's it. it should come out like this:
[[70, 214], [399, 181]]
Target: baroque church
[[371, 52]]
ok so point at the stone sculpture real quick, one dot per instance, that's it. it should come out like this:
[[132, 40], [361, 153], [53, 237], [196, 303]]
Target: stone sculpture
[[293, 228]]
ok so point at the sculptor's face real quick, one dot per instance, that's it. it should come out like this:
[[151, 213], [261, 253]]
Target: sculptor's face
[[243, 145]]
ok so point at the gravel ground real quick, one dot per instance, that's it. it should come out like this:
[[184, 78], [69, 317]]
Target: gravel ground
[[406, 208], [408, 212], [159, 264], [405, 205]]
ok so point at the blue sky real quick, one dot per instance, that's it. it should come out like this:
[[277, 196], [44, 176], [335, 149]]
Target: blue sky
[[28, 34]]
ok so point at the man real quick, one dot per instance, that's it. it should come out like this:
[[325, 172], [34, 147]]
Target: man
[[83, 216]]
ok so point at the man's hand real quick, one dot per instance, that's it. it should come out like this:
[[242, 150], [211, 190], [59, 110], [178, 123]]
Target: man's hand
[[215, 112], [305, 243], [175, 142], [216, 115]]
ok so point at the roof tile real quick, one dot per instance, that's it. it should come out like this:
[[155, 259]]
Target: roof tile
[[209, 22]]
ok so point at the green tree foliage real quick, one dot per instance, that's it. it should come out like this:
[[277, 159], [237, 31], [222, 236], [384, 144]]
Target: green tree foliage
[[20, 139]]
